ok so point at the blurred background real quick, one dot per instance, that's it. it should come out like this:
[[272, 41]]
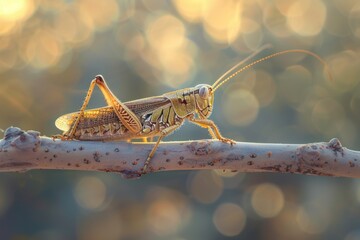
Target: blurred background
[[50, 51]]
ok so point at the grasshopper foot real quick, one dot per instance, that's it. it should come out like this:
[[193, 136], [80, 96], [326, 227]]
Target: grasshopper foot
[[146, 165], [228, 140], [58, 136], [62, 137]]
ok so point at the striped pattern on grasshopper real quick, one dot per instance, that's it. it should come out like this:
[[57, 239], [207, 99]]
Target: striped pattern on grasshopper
[[154, 116]]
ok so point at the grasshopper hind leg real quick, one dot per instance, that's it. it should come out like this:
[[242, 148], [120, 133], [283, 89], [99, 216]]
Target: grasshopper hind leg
[[125, 115]]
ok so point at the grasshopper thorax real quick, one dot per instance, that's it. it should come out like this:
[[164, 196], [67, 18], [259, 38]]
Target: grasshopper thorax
[[204, 99]]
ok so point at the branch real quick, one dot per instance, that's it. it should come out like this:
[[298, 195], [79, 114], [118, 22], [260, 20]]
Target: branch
[[22, 151]]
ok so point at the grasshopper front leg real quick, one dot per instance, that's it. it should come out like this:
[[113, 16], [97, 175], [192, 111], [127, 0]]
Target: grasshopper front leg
[[164, 133], [211, 126]]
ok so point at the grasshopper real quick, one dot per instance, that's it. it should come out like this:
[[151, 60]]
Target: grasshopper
[[153, 116]]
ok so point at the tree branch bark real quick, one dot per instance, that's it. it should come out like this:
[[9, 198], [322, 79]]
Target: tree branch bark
[[25, 150]]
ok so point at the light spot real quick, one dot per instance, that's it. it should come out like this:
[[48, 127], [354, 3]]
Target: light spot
[[240, 106], [344, 66], [301, 17], [90, 192], [325, 109], [69, 29], [275, 22], [229, 219], [98, 15], [169, 51], [252, 33], [294, 84], [165, 217], [265, 88], [43, 49], [165, 33], [267, 200], [16, 10], [168, 211], [222, 20], [312, 221], [191, 10], [206, 187]]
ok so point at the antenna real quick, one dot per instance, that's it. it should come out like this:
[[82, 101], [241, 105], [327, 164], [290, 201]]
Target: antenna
[[223, 80]]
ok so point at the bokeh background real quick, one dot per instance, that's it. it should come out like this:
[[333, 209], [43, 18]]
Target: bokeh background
[[50, 51]]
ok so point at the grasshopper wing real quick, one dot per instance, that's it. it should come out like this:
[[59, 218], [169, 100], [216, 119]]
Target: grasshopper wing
[[105, 114], [64, 122]]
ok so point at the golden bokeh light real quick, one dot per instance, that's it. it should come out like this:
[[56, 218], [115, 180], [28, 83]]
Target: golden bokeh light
[[191, 10], [267, 200], [265, 88], [344, 67], [252, 33], [222, 20], [285, 224], [170, 51], [240, 107], [328, 116], [13, 12], [69, 29], [166, 33], [90, 193], [16, 10], [275, 22], [312, 222], [136, 45], [52, 49], [164, 217], [9, 60], [294, 84], [283, 6], [229, 219], [20, 100], [43, 49], [206, 187], [300, 17], [98, 15], [6, 27], [168, 211]]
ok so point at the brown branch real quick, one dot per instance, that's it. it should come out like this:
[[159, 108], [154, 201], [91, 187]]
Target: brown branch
[[22, 151]]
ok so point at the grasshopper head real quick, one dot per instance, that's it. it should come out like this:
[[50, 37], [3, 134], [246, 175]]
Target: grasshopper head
[[204, 97]]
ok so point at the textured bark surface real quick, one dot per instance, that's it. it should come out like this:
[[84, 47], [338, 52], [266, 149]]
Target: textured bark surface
[[25, 150]]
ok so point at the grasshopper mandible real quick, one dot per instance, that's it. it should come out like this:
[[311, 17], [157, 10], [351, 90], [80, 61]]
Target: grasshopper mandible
[[153, 116]]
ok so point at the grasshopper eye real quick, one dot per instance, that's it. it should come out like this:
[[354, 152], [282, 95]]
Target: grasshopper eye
[[204, 92]]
